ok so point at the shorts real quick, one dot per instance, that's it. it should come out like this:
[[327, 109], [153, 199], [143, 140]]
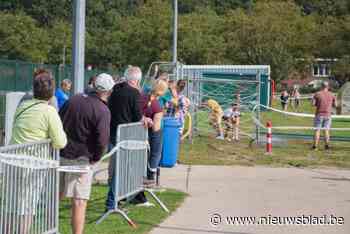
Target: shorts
[[76, 185], [322, 122]]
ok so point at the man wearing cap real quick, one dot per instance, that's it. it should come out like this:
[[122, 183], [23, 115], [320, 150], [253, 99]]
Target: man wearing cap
[[86, 121], [323, 100], [124, 105]]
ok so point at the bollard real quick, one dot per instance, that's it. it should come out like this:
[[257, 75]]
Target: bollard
[[269, 137]]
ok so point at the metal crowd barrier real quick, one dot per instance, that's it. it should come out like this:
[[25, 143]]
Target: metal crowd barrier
[[130, 166], [29, 189], [40, 149]]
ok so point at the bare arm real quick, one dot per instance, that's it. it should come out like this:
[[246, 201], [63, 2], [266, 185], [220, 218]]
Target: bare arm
[[157, 120], [335, 102]]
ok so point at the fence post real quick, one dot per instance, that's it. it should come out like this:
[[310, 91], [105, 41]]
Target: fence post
[[269, 137]]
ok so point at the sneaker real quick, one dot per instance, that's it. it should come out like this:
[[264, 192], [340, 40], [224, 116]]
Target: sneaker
[[326, 147], [140, 198], [314, 148], [145, 204], [220, 138]]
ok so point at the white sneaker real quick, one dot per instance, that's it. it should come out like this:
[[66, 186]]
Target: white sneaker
[[220, 138], [146, 204]]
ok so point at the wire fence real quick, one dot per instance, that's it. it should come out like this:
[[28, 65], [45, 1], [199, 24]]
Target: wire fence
[[17, 75]]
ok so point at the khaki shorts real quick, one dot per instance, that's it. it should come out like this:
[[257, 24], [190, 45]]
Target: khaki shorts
[[76, 185]]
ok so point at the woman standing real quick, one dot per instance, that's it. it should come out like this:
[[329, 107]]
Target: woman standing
[[151, 109], [153, 112], [35, 120]]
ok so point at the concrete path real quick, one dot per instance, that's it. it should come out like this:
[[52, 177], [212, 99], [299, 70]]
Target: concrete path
[[256, 192]]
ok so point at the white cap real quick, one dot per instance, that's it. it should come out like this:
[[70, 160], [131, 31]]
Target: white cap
[[104, 82]]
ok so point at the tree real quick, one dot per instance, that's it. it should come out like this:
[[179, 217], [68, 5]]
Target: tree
[[21, 38], [201, 39], [60, 39], [146, 36], [274, 33], [325, 7]]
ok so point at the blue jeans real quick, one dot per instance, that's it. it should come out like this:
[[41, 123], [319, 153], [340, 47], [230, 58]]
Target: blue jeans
[[155, 155], [110, 202]]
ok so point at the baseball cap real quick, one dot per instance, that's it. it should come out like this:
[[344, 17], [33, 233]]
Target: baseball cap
[[104, 82]]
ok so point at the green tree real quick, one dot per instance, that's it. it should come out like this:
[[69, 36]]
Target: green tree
[[21, 38], [146, 36], [60, 39], [201, 38], [274, 33]]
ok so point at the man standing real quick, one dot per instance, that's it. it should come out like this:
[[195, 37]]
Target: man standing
[[62, 92], [124, 105], [324, 101], [86, 121]]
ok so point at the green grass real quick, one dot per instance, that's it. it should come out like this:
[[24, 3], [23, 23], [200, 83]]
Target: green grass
[[145, 218], [205, 150], [208, 151]]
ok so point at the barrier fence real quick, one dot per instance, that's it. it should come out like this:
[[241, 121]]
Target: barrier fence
[[130, 167], [29, 189], [29, 180]]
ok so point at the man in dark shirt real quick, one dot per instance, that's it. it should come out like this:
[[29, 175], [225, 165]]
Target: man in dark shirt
[[124, 105], [86, 121]]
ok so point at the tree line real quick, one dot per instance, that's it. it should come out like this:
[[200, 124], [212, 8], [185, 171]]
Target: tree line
[[281, 33]]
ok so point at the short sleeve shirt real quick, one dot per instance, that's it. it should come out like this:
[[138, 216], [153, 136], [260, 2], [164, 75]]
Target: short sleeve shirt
[[324, 101], [150, 107]]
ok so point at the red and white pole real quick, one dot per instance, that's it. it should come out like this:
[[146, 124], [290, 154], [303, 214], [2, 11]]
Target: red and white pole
[[269, 137]]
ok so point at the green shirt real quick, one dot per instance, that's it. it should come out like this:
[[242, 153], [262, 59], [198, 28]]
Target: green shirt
[[38, 122]]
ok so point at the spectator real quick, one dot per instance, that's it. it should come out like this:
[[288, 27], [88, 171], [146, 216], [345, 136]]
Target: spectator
[[61, 93], [86, 120], [35, 120], [152, 109], [284, 100], [324, 100], [183, 101], [91, 85], [296, 97], [172, 101], [124, 105]]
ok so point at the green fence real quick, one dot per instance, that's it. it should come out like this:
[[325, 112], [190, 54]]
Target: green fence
[[17, 75]]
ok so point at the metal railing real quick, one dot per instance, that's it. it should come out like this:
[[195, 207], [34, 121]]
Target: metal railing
[[29, 189], [40, 149], [130, 166]]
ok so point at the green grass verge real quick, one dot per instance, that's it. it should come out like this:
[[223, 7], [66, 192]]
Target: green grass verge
[[296, 152], [146, 218], [208, 151]]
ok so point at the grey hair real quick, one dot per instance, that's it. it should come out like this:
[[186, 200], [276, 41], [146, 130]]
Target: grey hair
[[133, 73], [325, 84]]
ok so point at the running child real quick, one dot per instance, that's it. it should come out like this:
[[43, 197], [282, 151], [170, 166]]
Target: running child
[[215, 118]]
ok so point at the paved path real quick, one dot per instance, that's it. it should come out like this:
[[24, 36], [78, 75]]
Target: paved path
[[257, 191]]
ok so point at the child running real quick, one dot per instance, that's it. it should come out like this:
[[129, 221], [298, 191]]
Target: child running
[[231, 120], [215, 118]]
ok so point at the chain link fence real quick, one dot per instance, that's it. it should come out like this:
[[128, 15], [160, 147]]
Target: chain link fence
[[17, 75]]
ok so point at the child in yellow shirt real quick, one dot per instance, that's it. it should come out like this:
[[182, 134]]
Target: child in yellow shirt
[[215, 118]]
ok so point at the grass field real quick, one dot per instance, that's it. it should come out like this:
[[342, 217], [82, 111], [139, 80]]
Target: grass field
[[146, 218], [205, 150]]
